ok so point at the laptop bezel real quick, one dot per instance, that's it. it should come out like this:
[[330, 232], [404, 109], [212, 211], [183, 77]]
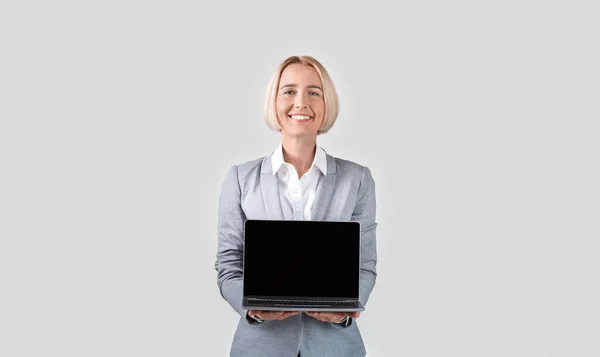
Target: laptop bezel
[[316, 298]]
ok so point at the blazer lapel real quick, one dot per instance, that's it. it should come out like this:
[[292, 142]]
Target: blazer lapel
[[270, 191], [325, 189]]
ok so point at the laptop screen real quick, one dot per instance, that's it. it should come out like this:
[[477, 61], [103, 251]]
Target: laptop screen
[[302, 259]]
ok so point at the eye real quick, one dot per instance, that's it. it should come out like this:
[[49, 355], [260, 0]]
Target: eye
[[316, 94], [289, 91]]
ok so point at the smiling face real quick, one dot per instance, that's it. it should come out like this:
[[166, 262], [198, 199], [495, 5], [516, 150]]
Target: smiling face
[[300, 105]]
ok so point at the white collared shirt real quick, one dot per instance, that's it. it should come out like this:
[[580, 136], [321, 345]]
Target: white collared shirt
[[298, 194]]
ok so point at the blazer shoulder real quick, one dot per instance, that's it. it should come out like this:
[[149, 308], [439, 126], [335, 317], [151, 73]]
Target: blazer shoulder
[[347, 167], [248, 169], [250, 165]]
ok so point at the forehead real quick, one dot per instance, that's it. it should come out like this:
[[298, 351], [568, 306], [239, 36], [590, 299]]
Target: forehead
[[300, 74]]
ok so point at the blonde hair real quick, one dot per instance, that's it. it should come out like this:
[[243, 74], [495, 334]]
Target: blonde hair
[[330, 97]]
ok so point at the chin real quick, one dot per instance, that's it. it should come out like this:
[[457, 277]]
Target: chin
[[298, 133]]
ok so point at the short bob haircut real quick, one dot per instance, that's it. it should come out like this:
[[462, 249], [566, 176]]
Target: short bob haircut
[[330, 97]]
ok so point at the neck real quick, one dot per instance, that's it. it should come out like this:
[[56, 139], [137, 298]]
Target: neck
[[300, 152]]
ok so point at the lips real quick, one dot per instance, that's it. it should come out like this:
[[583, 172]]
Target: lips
[[300, 117]]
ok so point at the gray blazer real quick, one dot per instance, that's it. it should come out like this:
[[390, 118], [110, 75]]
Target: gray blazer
[[250, 191]]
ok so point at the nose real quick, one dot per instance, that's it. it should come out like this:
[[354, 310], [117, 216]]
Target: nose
[[299, 102]]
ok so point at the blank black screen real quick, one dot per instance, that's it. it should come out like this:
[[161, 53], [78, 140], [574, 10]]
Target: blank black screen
[[301, 259]]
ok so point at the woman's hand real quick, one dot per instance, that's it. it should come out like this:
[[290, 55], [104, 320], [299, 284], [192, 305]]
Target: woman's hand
[[272, 315], [335, 317]]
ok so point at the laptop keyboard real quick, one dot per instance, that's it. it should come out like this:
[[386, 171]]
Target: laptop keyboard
[[341, 304]]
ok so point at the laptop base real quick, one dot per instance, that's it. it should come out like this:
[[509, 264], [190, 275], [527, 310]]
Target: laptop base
[[251, 304]]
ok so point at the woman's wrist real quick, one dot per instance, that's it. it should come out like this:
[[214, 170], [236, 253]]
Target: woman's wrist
[[255, 317]]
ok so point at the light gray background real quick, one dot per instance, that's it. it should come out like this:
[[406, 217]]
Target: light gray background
[[479, 122]]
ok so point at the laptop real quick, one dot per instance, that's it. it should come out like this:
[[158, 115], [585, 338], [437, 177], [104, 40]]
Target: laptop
[[301, 265]]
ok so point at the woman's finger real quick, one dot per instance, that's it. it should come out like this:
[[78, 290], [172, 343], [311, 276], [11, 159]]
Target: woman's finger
[[327, 316]]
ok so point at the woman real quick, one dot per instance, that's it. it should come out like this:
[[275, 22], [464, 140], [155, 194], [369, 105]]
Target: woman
[[298, 181]]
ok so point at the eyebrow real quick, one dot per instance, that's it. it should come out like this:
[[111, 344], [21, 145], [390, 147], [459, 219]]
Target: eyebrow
[[295, 85]]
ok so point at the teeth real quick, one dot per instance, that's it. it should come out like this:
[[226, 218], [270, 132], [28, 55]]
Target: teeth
[[299, 117]]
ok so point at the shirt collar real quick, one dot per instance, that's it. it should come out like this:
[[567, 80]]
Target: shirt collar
[[320, 160]]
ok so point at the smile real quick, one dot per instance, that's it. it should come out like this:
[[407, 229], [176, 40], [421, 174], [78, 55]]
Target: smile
[[299, 117]]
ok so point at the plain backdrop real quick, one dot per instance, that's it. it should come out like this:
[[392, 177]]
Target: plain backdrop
[[479, 121]]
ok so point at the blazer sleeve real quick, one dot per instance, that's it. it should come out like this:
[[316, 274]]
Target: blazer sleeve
[[230, 245], [364, 212]]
